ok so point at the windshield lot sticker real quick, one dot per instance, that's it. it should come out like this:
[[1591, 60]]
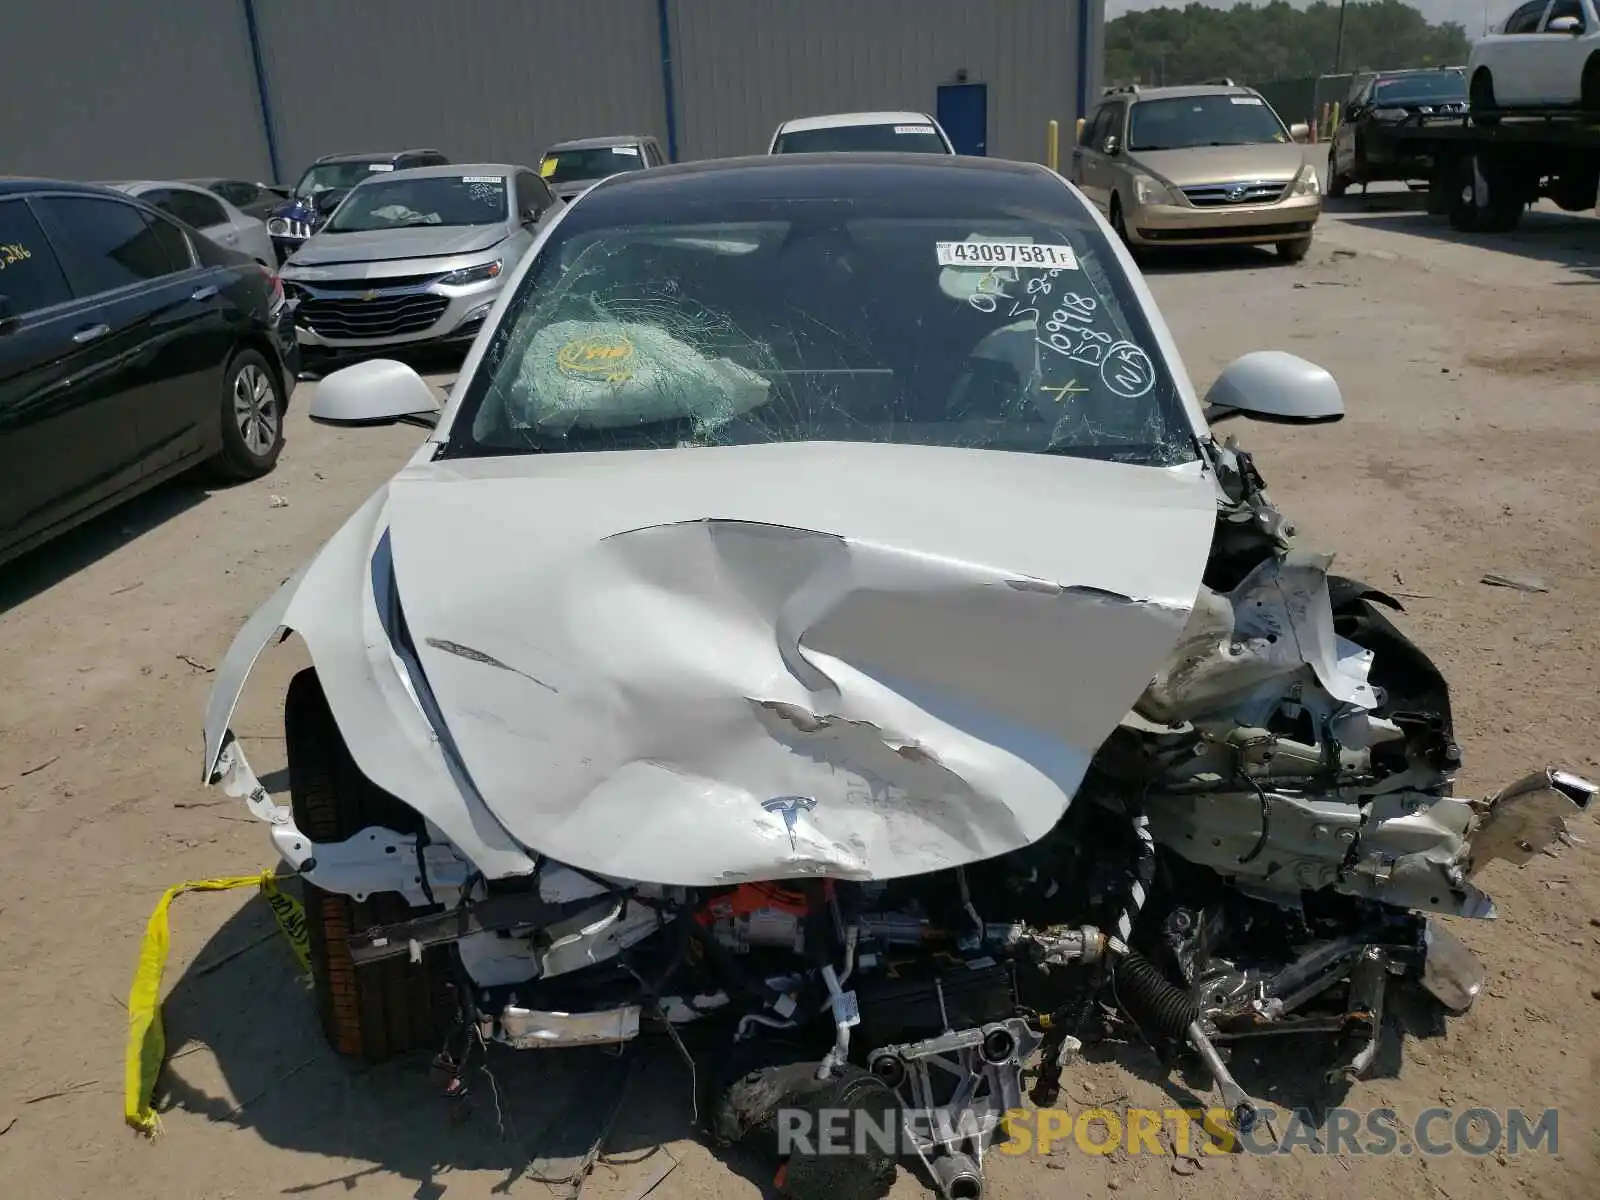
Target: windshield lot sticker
[[1127, 372], [548, 167], [380, 166], [481, 178], [13, 252], [913, 128], [1245, 99], [599, 357], [630, 151], [1005, 254]]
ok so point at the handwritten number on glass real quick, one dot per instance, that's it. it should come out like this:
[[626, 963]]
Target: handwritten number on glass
[[13, 252]]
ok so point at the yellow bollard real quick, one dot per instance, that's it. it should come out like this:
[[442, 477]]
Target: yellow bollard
[[1336, 116], [1077, 133], [1052, 143]]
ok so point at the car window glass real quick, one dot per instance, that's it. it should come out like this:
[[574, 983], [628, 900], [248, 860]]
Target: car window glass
[[235, 191], [192, 208], [1565, 8], [105, 244], [1526, 18], [1091, 128], [532, 193], [30, 276], [175, 240]]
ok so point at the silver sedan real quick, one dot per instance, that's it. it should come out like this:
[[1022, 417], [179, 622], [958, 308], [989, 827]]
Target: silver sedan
[[415, 257], [208, 212]]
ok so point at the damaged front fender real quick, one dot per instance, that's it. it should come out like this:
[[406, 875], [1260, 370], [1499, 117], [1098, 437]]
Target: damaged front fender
[[332, 603]]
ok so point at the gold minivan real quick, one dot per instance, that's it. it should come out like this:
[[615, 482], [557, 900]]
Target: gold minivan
[[1212, 164]]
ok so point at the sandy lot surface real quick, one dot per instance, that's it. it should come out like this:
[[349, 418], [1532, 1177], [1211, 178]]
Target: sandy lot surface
[[1472, 376]]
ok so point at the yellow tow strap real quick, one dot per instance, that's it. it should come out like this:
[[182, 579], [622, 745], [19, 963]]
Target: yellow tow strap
[[147, 1042]]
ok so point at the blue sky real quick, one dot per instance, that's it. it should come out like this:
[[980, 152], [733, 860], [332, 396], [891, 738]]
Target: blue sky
[[1472, 14]]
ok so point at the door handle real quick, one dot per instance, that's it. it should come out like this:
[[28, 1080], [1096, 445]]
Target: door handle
[[90, 332], [203, 293]]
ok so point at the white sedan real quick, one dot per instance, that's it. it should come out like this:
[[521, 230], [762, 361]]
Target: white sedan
[[207, 212], [1547, 54]]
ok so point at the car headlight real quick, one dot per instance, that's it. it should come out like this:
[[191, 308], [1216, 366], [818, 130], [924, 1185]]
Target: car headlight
[[1389, 114], [1149, 191], [479, 274], [1306, 183]]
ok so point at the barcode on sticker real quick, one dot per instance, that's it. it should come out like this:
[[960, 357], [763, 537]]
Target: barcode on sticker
[[380, 166], [480, 179], [913, 128], [1245, 99], [1005, 254]]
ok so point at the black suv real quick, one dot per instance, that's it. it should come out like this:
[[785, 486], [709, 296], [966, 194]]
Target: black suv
[[1362, 150], [325, 183], [131, 348]]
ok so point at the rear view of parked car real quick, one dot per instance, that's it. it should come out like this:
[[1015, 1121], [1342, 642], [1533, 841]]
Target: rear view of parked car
[[130, 350], [893, 132], [572, 168], [325, 183], [209, 213], [413, 257]]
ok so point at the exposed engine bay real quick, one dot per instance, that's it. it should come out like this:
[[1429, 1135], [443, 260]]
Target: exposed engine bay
[[1257, 849]]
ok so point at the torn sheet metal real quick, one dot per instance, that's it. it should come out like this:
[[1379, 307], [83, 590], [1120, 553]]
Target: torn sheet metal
[[779, 660]]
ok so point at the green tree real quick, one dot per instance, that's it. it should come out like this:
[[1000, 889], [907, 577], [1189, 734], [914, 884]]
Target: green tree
[[1261, 43]]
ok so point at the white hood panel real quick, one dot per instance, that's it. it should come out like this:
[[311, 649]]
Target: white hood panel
[[702, 666]]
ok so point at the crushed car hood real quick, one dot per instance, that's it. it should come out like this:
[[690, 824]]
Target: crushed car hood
[[379, 245], [700, 666]]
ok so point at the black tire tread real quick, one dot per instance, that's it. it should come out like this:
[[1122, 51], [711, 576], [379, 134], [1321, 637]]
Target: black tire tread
[[386, 1008], [233, 463]]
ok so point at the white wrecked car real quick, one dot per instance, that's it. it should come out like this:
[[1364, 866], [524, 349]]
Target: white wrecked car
[[822, 607]]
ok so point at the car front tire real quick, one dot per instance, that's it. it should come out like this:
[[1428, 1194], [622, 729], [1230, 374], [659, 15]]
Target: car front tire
[[1337, 183], [1294, 251]]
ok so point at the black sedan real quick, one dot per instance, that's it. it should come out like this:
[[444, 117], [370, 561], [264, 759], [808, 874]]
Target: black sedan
[[1363, 149], [131, 348]]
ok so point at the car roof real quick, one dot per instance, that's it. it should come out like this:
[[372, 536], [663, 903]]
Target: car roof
[[1184, 93], [128, 185], [710, 184], [372, 156], [1409, 71], [13, 185], [844, 120], [446, 170], [600, 143]]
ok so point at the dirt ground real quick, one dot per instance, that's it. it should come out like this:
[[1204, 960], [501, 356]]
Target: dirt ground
[[1472, 377]]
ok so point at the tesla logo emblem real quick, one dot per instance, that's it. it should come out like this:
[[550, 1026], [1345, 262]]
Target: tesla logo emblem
[[370, 294], [789, 808], [1236, 193]]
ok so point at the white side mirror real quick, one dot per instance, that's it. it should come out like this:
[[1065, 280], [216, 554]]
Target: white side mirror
[[1270, 385], [1300, 131], [379, 391]]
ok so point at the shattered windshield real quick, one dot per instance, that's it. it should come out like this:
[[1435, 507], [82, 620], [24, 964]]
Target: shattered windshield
[[827, 320], [1214, 120], [429, 200]]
